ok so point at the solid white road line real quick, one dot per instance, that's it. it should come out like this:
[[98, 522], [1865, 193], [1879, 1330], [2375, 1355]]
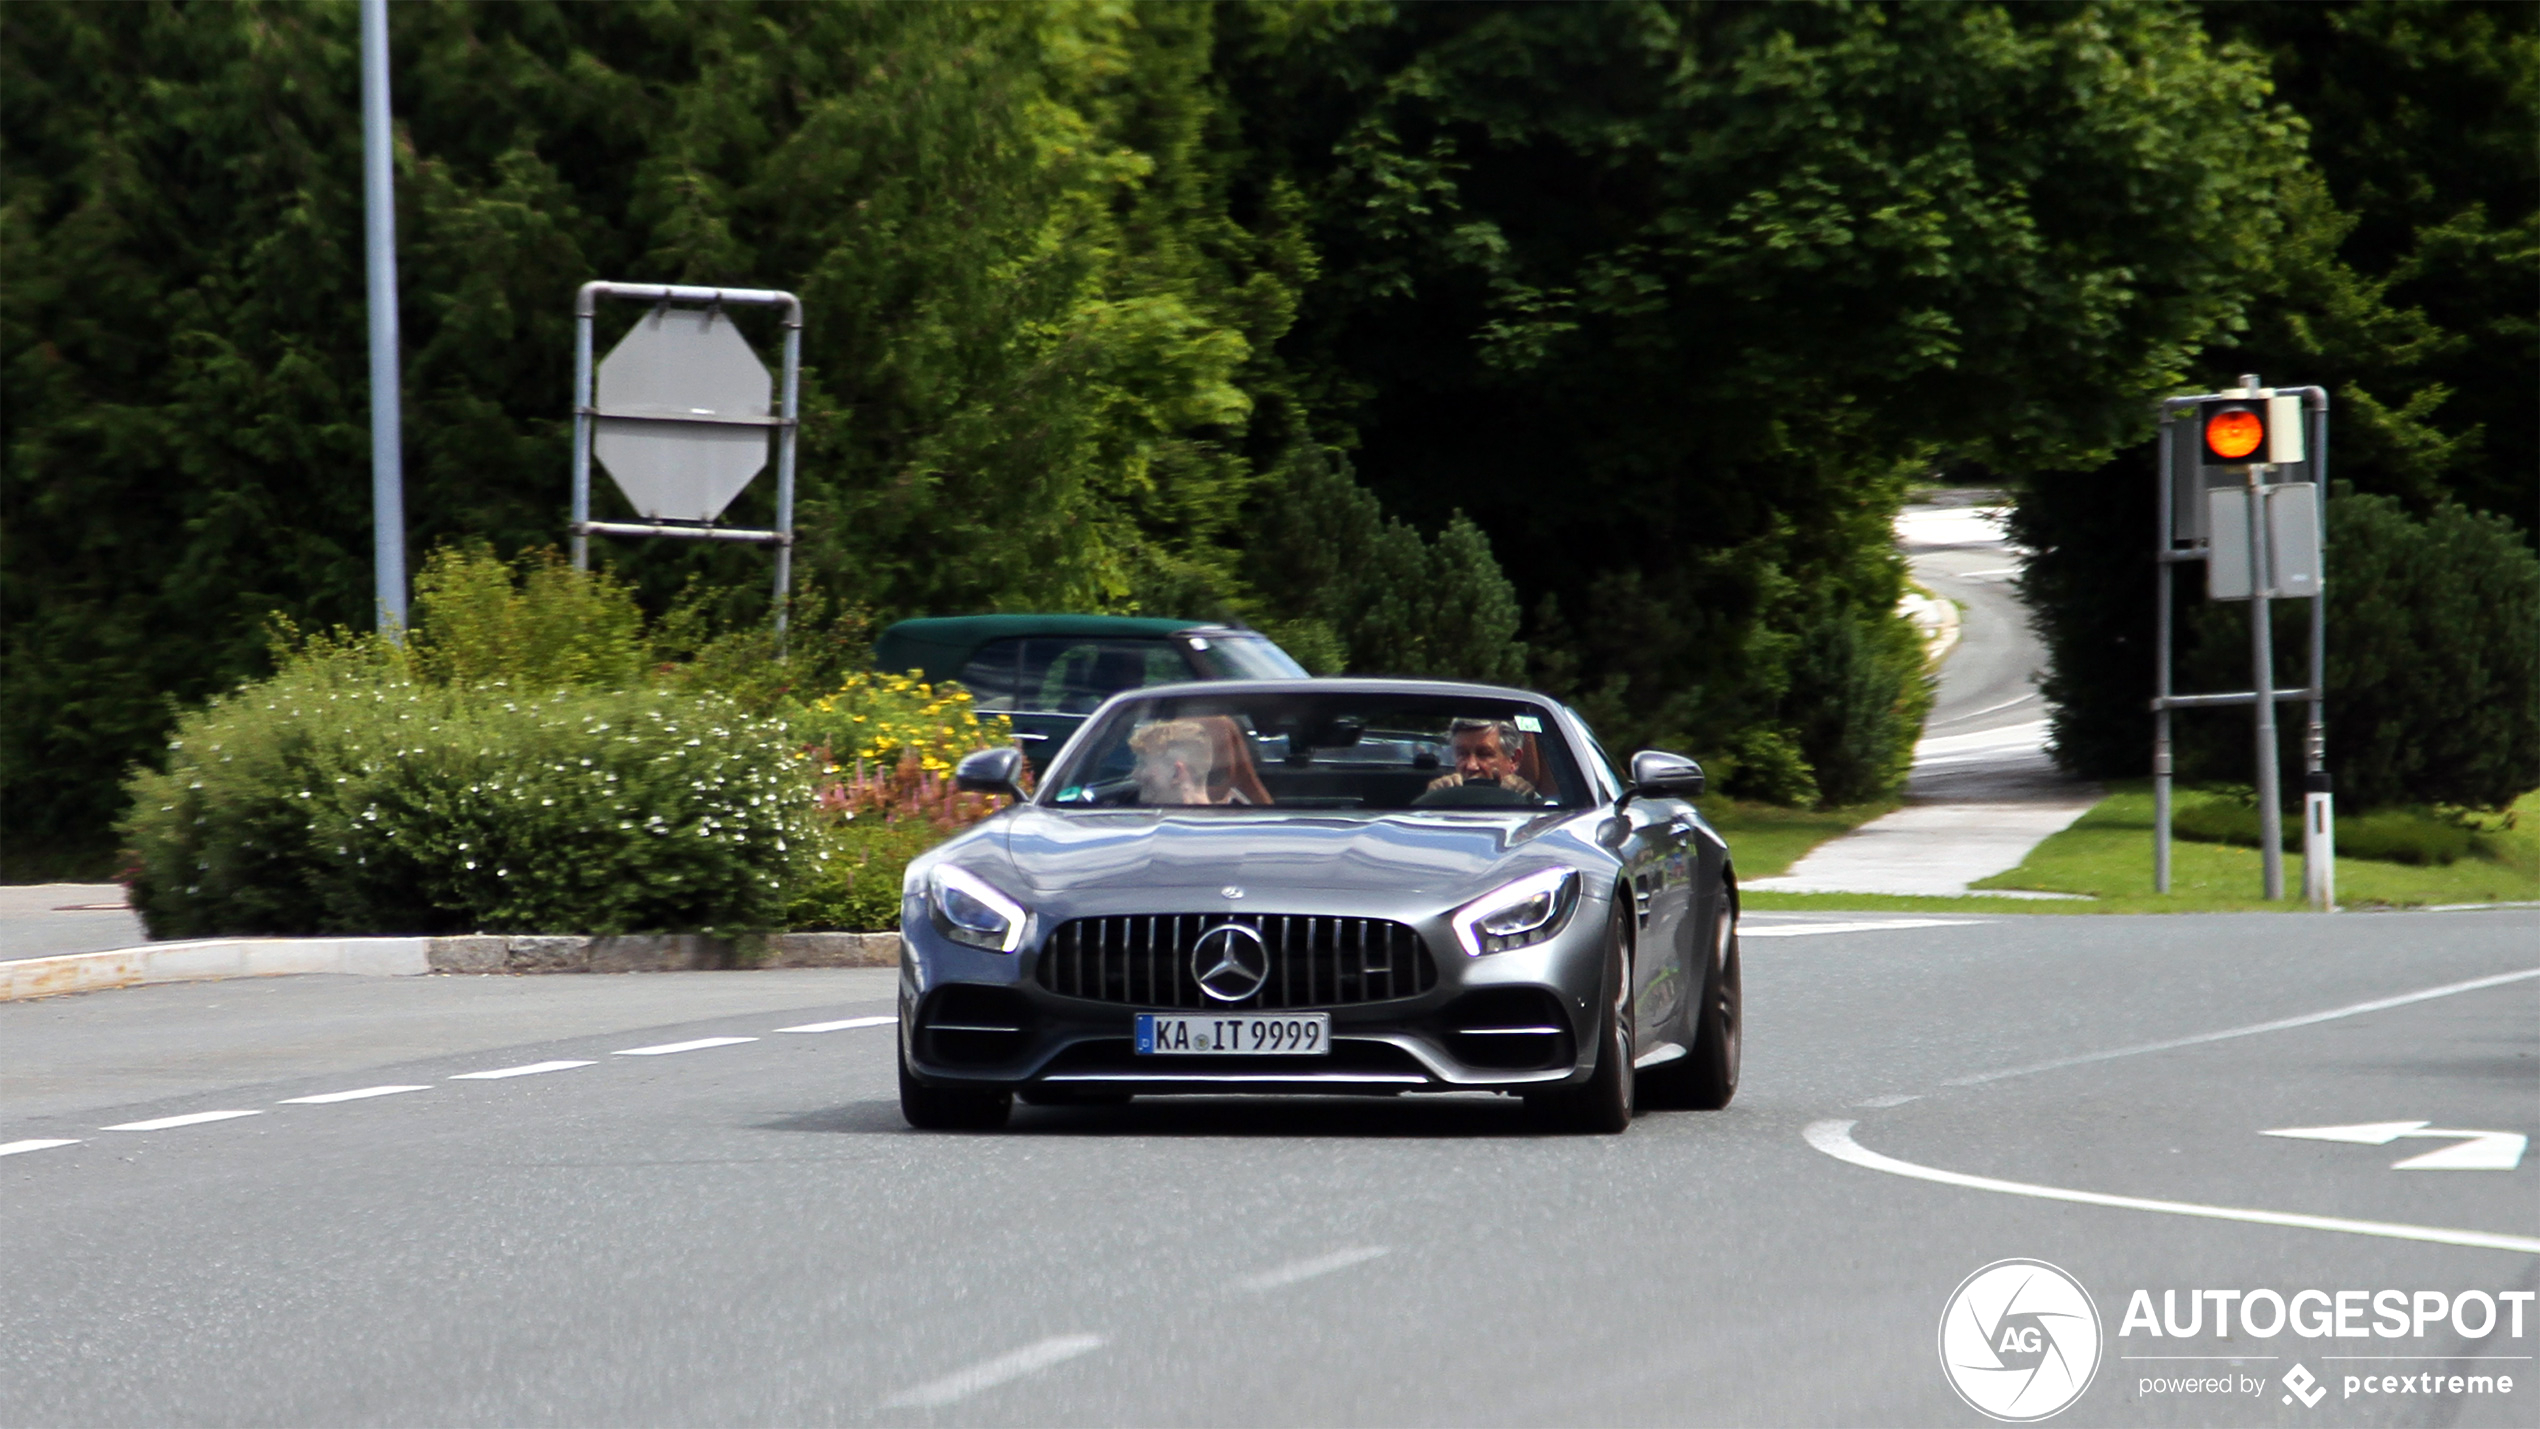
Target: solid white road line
[[1835, 1139], [531, 1070], [189, 1119], [842, 1026], [988, 1374], [12, 1148], [1290, 1274], [1802, 930], [2357, 1010], [667, 1048], [323, 1098]]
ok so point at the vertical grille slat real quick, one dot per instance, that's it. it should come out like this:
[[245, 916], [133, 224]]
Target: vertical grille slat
[[1315, 960]]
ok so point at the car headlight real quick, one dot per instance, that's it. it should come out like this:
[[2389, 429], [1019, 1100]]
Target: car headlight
[[1519, 914], [968, 910]]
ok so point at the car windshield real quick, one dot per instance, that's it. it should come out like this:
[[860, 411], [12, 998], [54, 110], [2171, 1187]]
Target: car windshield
[[1335, 750]]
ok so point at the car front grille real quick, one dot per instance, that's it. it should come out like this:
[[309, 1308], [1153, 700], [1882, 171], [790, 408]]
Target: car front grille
[[1145, 960]]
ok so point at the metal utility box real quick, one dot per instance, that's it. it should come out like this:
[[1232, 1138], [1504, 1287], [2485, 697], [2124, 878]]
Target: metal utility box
[[2293, 542]]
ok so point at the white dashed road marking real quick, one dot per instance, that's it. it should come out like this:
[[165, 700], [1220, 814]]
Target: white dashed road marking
[[2378, 1004], [362, 1094], [1835, 1139], [667, 1048], [530, 1070], [1290, 1274], [988, 1374], [1802, 930], [167, 1123], [189, 1119], [851, 1022]]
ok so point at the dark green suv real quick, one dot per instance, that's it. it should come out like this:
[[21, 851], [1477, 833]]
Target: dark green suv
[[1047, 672]]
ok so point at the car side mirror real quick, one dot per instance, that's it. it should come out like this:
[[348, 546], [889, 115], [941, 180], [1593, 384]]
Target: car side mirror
[[991, 771], [1656, 772]]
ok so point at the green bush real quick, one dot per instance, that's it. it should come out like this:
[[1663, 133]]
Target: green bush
[[345, 796], [539, 625], [1859, 690], [2423, 837], [2434, 656], [856, 888], [1352, 581]]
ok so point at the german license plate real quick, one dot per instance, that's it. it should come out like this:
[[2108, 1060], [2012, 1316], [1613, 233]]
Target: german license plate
[[1287, 1034]]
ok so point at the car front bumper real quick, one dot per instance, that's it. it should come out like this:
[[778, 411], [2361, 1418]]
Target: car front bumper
[[978, 1019]]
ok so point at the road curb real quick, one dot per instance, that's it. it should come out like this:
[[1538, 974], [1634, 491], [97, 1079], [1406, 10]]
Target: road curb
[[210, 959]]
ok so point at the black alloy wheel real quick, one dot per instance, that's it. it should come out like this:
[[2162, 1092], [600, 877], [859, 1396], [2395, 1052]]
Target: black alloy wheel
[[1603, 1104], [950, 1108], [1720, 1030]]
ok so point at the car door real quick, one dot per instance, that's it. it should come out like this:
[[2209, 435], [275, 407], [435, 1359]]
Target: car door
[[1660, 856], [1663, 969]]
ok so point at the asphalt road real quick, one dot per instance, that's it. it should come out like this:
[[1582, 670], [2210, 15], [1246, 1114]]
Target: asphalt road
[[40, 920], [1985, 737], [744, 1232]]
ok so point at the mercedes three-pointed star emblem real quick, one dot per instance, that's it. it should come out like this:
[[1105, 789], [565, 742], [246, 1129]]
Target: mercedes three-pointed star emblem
[[1230, 962]]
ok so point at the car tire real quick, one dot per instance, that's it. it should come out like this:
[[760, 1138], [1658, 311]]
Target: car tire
[[950, 1108], [1603, 1104], [1710, 1075]]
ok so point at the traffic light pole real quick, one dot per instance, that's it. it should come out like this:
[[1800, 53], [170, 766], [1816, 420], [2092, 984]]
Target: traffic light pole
[[2318, 822], [2165, 553], [2262, 673]]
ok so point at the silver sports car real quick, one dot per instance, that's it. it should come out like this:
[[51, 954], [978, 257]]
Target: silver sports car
[[1319, 887]]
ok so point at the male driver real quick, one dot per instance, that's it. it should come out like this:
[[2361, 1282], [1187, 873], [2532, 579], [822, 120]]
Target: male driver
[[1486, 753], [1173, 762]]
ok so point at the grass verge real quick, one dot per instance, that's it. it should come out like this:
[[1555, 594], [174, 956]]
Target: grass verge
[[1767, 838], [2107, 854]]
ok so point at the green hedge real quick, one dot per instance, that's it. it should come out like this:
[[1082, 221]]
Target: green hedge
[[345, 796], [2426, 838]]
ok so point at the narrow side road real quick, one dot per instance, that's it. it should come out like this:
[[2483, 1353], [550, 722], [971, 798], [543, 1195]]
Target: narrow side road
[[1983, 791]]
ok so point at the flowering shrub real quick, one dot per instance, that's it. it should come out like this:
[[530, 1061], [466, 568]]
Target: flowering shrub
[[873, 821], [341, 796], [874, 720]]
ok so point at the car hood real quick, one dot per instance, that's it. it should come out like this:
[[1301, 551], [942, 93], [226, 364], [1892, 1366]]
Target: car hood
[[1407, 853]]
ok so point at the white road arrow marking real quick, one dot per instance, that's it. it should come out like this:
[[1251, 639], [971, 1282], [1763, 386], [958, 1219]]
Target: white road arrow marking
[[2476, 1151], [2484, 1151], [2370, 1133]]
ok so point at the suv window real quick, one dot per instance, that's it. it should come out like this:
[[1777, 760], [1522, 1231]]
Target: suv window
[[1247, 657], [1067, 675]]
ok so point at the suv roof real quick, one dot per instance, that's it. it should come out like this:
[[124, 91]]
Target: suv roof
[[941, 645]]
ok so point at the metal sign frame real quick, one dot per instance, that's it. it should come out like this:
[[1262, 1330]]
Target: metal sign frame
[[2318, 828], [786, 422]]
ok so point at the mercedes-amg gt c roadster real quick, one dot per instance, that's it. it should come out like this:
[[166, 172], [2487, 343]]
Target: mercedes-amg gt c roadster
[[1324, 887]]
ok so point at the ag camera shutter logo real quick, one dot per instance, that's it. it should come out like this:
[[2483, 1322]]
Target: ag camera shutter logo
[[2019, 1341]]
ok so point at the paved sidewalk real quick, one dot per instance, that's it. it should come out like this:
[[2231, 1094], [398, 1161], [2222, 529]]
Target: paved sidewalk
[[42, 920], [1983, 791]]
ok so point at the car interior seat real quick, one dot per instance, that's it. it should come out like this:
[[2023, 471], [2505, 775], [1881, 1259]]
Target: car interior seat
[[1535, 769], [1231, 767]]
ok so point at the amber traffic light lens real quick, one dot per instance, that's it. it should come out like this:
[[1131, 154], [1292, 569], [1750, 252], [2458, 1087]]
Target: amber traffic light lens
[[2234, 433]]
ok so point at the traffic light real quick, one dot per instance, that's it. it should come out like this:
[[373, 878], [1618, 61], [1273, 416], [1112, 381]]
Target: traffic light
[[2235, 431]]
